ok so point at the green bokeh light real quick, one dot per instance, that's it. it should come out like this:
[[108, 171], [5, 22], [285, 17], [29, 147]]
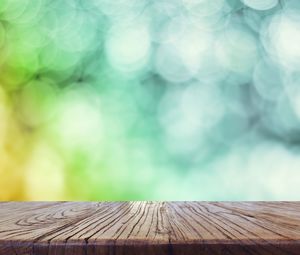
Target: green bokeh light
[[142, 99]]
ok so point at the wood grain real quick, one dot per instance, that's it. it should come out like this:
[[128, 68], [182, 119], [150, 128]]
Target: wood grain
[[144, 228]]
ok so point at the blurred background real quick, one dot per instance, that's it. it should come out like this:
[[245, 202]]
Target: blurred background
[[149, 100]]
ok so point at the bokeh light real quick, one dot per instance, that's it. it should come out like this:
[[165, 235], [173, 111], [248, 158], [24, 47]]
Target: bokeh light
[[149, 100]]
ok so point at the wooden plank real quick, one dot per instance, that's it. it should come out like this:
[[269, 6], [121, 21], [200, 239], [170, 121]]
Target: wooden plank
[[234, 228], [144, 228]]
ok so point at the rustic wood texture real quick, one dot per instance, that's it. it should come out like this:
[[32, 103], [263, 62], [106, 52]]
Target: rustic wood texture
[[144, 228]]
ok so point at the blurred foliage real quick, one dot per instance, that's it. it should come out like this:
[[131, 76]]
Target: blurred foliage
[[145, 99]]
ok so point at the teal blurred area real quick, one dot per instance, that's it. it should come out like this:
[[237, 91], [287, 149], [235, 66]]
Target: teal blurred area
[[149, 100]]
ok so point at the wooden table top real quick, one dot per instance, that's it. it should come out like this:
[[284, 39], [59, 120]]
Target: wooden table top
[[144, 228]]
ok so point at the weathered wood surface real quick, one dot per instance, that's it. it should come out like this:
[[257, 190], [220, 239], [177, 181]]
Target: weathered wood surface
[[144, 228]]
